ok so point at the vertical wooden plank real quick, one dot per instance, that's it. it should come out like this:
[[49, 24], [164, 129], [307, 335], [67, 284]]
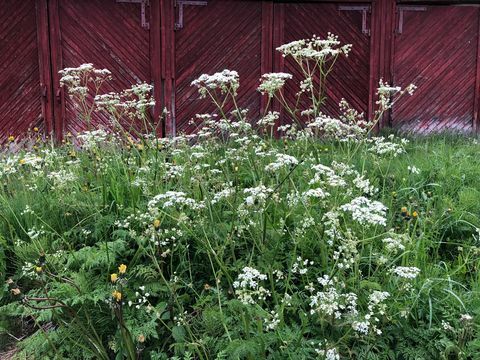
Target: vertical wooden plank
[[57, 65], [168, 57], [389, 28], [383, 29], [156, 63], [267, 45], [278, 59], [375, 46], [44, 64], [477, 80]]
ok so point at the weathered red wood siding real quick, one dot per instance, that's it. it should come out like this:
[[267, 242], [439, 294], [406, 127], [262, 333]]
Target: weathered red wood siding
[[20, 76], [225, 34], [436, 49], [351, 76], [108, 35]]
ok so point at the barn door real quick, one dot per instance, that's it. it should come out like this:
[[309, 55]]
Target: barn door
[[211, 36], [23, 90], [112, 34], [350, 78], [436, 49]]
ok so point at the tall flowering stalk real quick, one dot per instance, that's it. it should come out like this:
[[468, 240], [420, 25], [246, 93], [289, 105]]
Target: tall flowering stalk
[[79, 82]]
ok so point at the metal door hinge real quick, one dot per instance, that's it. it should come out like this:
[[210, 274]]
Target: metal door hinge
[[179, 4], [401, 10], [143, 11], [365, 9]]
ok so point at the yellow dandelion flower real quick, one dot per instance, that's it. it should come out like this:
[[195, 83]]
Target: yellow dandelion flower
[[156, 223], [122, 269], [117, 295], [415, 214], [35, 129], [113, 277], [38, 269], [404, 209], [11, 138], [22, 161]]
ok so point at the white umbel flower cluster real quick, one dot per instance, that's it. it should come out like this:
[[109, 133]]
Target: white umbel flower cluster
[[76, 79], [366, 211], [406, 272], [282, 161], [172, 199], [226, 81], [131, 102], [270, 83], [384, 147], [316, 48], [257, 195], [248, 288], [91, 139], [269, 119]]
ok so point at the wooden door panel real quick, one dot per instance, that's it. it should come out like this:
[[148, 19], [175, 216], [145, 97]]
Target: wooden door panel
[[436, 49], [224, 34], [108, 34], [350, 76], [20, 91]]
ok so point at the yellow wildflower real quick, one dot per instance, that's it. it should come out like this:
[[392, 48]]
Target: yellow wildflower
[[156, 223], [122, 269], [113, 277], [117, 295], [38, 269], [22, 161], [415, 214], [11, 138]]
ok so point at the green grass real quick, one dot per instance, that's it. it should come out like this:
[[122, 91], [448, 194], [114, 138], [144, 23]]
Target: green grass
[[71, 217]]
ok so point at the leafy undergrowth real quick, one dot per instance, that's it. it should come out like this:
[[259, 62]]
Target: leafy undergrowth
[[242, 247], [326, 242]]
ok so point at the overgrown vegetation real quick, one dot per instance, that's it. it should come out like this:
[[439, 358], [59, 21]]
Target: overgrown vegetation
[[328, 243]]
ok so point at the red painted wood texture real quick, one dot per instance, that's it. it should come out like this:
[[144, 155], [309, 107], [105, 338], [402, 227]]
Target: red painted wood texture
[[225, 34], [437, 51], [20, 75], [350, 78], [108, 35]]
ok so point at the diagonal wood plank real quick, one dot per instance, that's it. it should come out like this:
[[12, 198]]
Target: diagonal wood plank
[[109, 35], [20, 94], [437, 52], [350, 76], [225, 34]]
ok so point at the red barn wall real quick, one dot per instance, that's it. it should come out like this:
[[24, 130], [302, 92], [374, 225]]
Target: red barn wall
[[138, 40]]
